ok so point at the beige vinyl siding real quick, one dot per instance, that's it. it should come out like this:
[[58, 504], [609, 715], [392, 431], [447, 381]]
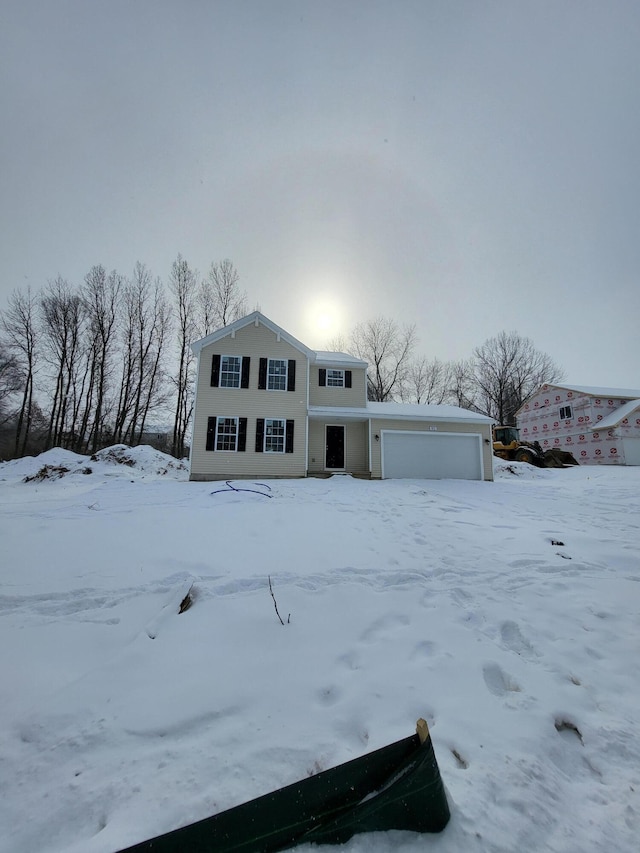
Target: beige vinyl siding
[[356, 446], [353, 397], [378, 424], [251, 403]]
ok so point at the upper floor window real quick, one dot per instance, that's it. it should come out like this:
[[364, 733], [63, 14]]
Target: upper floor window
[[277, 374], [230, 371], [230, 367], [565, 413], [334, 378]]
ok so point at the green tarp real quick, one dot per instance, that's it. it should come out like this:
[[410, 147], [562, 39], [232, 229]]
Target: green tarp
[[395, 787]]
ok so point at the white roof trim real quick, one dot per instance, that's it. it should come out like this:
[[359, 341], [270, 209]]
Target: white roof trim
[[338, 359], [257, 318], [615, 417]]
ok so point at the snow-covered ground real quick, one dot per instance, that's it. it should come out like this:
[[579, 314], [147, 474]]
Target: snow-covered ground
[[507, 614]]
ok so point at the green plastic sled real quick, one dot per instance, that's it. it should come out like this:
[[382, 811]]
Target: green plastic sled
[[395, 787]]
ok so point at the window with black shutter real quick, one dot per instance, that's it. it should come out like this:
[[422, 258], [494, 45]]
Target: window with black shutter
[[211, 433], [291, 375], [246, 362], [347, 379], [289, 440], [259, 435], [215, 370], [322, 377], [262, 374], [242, 434]]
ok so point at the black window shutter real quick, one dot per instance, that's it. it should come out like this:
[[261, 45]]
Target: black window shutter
[[259, 435], [347, 379], [215, 371], [242, 434], [244, 381], [322, 377], [289, 444], [262, 374], [211, 433], [291, 375]]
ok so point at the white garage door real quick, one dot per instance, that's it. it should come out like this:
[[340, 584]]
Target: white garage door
[[431, 455], [631, 448]]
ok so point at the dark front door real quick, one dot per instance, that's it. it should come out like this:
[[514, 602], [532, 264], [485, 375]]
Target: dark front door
[[335, 447]]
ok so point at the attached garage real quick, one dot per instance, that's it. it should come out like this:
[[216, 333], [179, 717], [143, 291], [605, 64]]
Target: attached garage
[[431, 455]]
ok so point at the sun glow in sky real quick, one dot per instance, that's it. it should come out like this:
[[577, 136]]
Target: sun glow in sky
[[325, 319]]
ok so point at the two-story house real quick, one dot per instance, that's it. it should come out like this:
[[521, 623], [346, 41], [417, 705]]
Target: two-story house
[[599, 426], [266, 405]]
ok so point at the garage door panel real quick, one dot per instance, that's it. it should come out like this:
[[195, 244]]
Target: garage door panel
[[432, 456]]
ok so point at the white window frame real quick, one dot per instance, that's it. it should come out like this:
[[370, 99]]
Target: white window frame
[[277, 376], [335, 377], [568, 413], [221, 436], [230, 373], [269, 423]]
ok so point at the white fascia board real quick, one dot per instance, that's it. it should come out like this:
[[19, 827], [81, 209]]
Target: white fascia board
[[431, 414]]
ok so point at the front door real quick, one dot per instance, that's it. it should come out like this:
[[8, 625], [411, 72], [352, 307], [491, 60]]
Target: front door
[[335, 447]]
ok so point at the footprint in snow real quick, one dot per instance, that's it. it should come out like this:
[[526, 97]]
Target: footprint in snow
[[513, 639], [499, 682]]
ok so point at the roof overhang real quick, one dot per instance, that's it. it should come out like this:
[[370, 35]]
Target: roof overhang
[[427, 414]]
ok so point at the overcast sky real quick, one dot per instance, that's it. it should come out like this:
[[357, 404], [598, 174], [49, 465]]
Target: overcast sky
[[468, 166]]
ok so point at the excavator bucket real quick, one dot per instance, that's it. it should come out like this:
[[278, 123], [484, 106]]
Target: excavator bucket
[[555, 458]]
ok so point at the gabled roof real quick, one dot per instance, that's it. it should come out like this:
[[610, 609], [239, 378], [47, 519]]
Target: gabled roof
[[597, 390], [615, 417], [258, 319]]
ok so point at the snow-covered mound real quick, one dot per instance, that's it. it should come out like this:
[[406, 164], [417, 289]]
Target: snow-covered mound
[[135, 463]]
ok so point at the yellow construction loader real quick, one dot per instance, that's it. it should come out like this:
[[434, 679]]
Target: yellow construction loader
[[507, 445]]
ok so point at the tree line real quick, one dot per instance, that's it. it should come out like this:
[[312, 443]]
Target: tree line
[[498, 377], [85, 366]]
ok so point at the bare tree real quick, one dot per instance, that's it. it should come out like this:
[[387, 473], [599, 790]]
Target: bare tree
[[220, 300], [338, 343], [387, 349], [507, 370], [101, 295], [182, 283], [145, 323], [63, 326], [427, 381], [10, 381], [462, 386], [19, 325]]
